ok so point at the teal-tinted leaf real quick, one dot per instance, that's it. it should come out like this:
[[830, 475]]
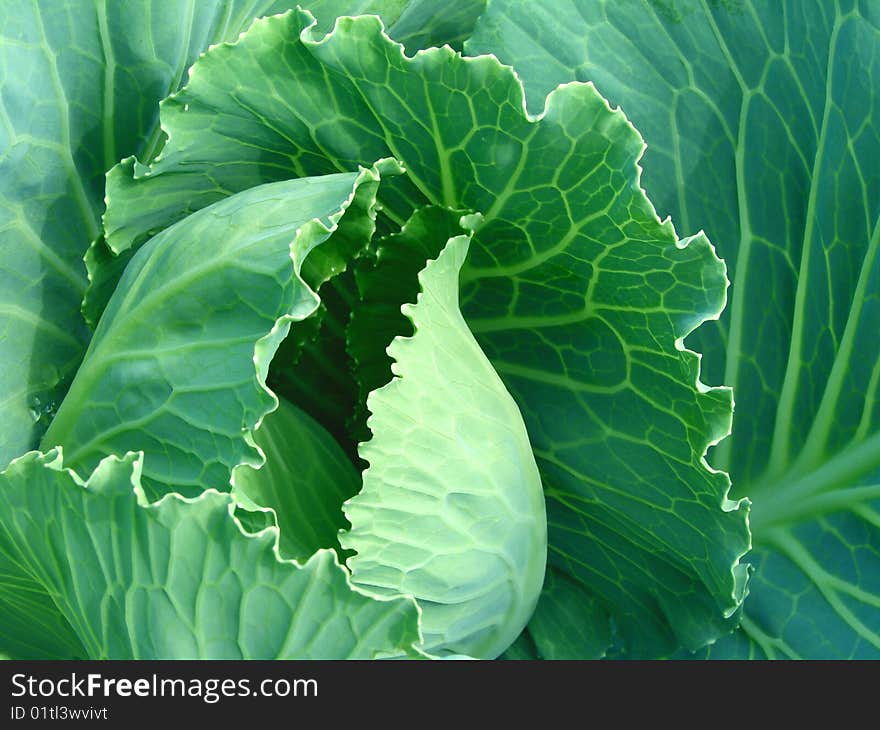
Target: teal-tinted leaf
[[305, 480], [178, 364], [578, 294], [78, 90], [172, 580], [451, 510], [762, 127]]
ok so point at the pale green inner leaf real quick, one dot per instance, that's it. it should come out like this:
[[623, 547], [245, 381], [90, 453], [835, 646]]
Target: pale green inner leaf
[[451, 510], [175, 580]]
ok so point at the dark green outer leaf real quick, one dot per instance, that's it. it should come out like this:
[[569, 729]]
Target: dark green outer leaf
[[569, 623], [763, 127], [78, 90]]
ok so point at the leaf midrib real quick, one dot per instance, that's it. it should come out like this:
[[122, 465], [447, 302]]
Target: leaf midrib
[[798, 496], [780, 445]]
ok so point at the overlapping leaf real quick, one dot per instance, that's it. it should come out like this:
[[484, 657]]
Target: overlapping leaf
[[78, 90], [568, 623], [305, 480], [178, 364], [426, 23], [384, 282], [762, 127], [112, 578], [574, 288]]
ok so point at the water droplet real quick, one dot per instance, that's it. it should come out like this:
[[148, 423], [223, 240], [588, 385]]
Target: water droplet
[[35, 408]]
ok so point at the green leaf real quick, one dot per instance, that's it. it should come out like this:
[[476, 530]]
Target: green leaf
[[762, 127], [578, 294], [426, 23], [305, 480], [326, 11], [177, 579], [330, 365], [177, 366], [568, 622], [78, 92], [520, 650], [205, 25], [312, 368], [415, 23], [105, 270], [385, 281], [451, 510]]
